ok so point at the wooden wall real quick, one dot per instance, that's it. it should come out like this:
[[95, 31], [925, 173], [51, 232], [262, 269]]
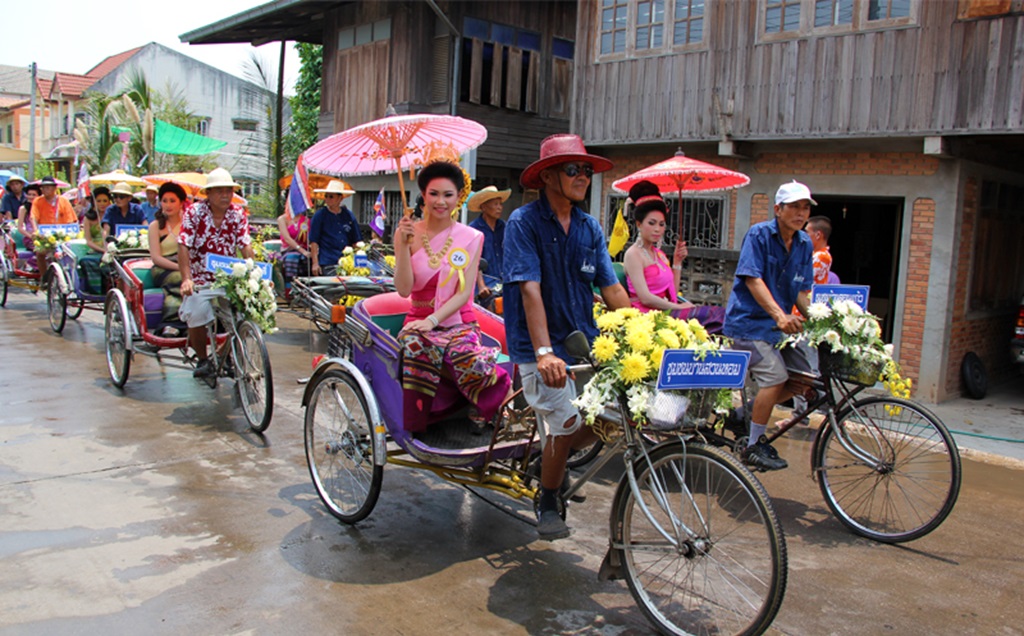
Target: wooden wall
[[939, 76]]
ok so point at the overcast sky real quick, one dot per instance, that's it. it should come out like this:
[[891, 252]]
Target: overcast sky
[[73, 36]]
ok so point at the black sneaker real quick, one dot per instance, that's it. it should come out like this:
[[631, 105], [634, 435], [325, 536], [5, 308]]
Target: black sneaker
[[203, 369], [551, 526], [763, 457]]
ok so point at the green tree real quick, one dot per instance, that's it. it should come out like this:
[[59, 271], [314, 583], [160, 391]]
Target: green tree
[[302, 130], [98, 141]]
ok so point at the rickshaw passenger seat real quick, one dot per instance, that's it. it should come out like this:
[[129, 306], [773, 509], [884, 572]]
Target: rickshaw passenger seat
[[152, 296]]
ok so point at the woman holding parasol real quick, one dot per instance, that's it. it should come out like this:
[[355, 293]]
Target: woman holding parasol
[[436, 262]]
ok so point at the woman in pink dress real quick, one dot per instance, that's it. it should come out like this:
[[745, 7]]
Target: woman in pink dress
[[651, 280], [436, 262]]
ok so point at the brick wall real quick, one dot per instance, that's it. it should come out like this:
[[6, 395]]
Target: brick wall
[[859, 163], [915, 296], [988, 335], [760, 208]]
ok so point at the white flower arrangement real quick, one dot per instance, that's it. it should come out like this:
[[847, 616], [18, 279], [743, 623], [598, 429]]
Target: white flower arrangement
[[847, 330], [249, 293], [130, 240]]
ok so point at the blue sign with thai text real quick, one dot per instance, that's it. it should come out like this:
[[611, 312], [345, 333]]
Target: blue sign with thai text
[[360, 260], [71, 229], [682, 369], [125, 228], [217, 262], [858, 294]]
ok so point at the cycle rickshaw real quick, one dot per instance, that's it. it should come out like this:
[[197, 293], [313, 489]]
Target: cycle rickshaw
[[133, 310], [15, 266], [70, 289], [692, 531]]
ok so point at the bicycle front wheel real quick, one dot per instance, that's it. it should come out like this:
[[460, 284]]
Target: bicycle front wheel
[[340, 452], [253, 378], [702, 548], [907, 478]]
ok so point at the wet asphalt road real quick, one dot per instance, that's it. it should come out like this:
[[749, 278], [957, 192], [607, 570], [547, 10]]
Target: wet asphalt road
[[155, 510]]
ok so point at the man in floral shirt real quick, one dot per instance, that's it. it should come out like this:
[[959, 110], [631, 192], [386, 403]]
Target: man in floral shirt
[[213, 226]]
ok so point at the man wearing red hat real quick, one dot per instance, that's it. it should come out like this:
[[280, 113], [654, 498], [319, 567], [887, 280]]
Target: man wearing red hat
[[554, 254]]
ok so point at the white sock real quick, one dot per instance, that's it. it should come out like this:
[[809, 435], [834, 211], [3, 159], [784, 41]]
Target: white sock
[[756, 431]]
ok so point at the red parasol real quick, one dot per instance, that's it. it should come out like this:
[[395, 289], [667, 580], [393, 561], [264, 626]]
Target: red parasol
[[393, 143], [683, 173]]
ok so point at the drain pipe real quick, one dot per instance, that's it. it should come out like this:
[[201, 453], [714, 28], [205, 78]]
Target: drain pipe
[[454, 100]]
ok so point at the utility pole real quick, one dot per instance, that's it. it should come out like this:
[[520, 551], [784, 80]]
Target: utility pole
[[32, 128], [279, 134]]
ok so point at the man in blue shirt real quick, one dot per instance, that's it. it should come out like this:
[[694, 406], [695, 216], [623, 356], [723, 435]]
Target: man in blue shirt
[[151, 206], [13, 199], [773, 274], [488, 202], [332, 229], [554, 254], [124, 211]]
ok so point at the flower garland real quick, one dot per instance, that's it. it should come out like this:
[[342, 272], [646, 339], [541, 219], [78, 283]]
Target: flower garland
[[130, 240], [249, 293], [629, 350], [849, 330]]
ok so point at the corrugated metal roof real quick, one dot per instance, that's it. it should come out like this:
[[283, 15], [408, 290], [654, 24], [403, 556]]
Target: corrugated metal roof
[[296, 20]]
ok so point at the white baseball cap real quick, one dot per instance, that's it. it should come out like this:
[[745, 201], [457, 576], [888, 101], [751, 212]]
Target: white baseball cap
[[791, 192]]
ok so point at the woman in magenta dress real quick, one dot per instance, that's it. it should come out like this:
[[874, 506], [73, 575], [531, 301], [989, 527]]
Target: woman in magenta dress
[[651, 280], [436, 265]]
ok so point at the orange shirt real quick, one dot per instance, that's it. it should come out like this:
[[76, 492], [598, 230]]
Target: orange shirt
[[44, 214]]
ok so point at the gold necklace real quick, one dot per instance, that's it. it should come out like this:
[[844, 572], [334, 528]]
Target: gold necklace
[[434, 258]]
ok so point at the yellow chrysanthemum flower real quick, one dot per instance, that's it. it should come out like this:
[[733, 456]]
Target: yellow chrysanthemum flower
[[656, 357], [698, 330], [611, 320], [638, 336], [669, 338], [634, 368], [605, 348], [629, 312]]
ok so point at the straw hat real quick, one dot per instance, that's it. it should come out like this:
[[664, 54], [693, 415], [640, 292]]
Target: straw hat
[[152, 188], [219, 178], [558, 149], [122, 188], [337, 186], [485, 195], [15, 177], [48, 181]]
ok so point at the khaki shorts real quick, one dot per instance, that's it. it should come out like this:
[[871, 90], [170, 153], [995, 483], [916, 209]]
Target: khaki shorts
[[770, 366], [552, 406]]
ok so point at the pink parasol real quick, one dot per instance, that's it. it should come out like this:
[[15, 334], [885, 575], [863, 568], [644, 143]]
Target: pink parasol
[[683, 173], [393, 143]]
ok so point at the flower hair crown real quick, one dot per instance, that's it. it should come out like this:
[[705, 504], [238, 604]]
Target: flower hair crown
[[436, 151]]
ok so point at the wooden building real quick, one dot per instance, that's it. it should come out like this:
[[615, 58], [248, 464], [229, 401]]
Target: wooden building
[[905, 117], [507, 65]]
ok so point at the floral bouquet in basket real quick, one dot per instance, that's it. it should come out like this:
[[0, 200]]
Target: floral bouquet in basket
[[49, 242], [629, 350], [846, 335], [126, 241], [250, 293], [347, 262]]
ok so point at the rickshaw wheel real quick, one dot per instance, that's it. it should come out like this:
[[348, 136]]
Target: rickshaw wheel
[[5, 279], [253, 378], [340, 451], [73, 308], [56, 304], [117, 336]]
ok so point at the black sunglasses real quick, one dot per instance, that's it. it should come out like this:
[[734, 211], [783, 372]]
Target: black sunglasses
[[573, 170], [122, 196]]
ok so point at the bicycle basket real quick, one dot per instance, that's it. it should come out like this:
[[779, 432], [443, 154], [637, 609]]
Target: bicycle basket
[[842, 366], [674, 410]]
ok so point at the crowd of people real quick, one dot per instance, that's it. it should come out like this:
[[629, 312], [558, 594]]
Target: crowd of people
[[546, 260]]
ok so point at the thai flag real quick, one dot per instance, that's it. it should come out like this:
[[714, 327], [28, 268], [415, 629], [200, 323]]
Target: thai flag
[[380, 212], [298, 192]]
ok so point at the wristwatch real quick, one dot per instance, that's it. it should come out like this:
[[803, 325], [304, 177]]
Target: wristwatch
[[543, 351]]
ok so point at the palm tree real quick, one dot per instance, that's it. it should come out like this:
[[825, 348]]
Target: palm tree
[[97, 139]]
